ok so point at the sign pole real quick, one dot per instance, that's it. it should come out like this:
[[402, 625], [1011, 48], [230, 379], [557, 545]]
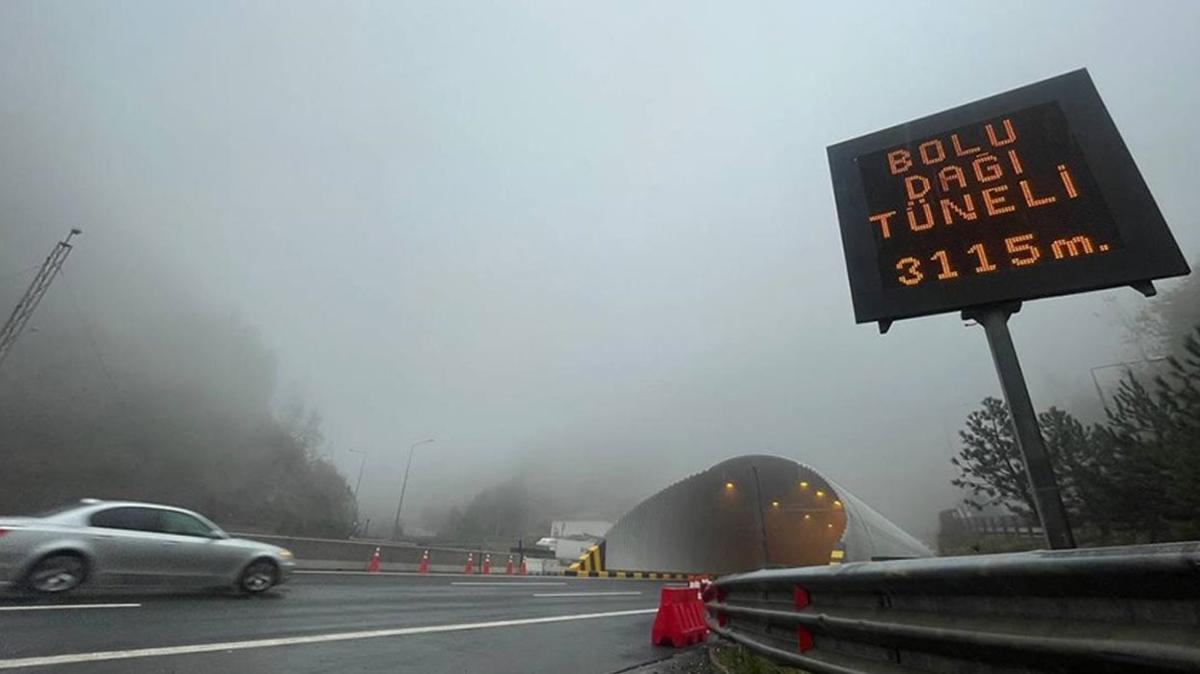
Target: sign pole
[[1046, 495]]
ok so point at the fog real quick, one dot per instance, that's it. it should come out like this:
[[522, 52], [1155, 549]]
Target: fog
[[592, 246]]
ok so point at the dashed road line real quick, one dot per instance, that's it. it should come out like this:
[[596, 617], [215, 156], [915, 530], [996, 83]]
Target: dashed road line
[[334, 572], [586, 594], [505, 583]]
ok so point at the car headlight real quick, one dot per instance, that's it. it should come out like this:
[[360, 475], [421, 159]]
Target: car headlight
[[286, 554]]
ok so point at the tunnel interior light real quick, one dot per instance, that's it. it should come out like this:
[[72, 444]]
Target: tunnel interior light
[[774, 504], [829, 526], [728, 486], [803, 484], [837, 504], [820, 494], [807, 517]]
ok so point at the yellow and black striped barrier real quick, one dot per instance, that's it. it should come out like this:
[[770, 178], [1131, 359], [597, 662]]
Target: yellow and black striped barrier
[[592, 560], [639, 575], [591, 565]]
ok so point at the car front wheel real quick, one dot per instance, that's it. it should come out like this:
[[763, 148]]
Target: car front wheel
[[56, 574], [259, 576]]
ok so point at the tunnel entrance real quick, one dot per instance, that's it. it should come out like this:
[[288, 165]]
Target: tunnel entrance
[[747, 513]]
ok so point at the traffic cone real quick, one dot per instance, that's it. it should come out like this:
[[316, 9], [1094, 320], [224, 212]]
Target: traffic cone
[[508, 567], [487, 565], [424, 566], [522, 567], [373, 562], [470, 567]]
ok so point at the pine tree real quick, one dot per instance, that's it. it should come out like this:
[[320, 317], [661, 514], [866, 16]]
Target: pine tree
[[989, 464], [1155, 433], [1134, 478], [992, 468]]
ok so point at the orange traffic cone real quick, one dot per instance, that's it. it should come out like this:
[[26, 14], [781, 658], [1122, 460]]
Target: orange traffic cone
[[424, 566], [373, 562], [470, 567], [508, 567], [487, 565]]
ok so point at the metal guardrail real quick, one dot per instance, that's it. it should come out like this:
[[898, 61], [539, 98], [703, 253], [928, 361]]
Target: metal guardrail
[[327, 554], [355, 553], [1126, 609]]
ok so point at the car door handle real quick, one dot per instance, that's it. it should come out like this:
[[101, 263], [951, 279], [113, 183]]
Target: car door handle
[[169, 544], [103, 538]]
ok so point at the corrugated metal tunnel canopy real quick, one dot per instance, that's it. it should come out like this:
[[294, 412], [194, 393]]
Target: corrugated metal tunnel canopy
[[751, 512]]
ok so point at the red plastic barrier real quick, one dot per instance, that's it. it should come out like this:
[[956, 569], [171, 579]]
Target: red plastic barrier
[[487, 565], [469, 568], [508, 568], [680, 619], [523, 569], [373, 562], [424, 565]]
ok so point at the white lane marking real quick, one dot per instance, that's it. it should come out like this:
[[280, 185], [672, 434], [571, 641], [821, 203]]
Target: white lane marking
[[61, 607], [502, 583], [369, 573], [74, 658], [586, 594], [329, 572]]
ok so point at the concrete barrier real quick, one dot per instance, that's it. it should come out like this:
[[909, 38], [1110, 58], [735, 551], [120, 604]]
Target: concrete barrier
[[323, 554]]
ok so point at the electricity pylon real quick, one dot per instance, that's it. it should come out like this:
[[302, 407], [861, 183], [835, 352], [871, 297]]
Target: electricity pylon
[[33, 295]]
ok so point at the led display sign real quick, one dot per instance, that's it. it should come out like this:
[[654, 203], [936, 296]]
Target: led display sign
[[1027, 194]]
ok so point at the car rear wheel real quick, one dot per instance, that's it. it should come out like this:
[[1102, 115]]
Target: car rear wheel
[[56, 574], [259, 576]]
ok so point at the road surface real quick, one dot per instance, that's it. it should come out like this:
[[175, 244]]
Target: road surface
[[343, 622]]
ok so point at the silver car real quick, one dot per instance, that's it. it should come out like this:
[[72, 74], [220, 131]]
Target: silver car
[[129, 543]]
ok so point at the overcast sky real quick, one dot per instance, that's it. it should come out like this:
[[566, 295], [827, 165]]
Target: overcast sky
[[593, 243]]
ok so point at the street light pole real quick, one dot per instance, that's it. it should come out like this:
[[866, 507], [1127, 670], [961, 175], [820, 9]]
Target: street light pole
[[404, 487], [362, 464], [357, 507]]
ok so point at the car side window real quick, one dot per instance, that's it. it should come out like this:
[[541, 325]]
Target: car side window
[[183, 524], [129, 518]]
